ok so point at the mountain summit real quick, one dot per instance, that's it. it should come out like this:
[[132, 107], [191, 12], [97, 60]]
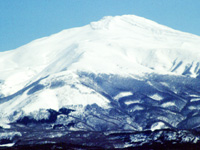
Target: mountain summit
[[119, 73]]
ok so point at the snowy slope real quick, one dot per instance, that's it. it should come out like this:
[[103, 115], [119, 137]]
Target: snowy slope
[[68, 69]]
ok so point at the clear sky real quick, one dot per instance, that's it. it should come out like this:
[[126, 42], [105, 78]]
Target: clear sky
[[22, 21]]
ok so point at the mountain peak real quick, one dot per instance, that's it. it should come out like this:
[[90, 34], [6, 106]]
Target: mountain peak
[[126, 21]]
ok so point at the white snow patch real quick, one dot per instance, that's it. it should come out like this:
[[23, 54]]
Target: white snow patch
[[132, 102], [7, 145], [46, 99], [156, 97], [194, 95], [123, 94], [195, 99], [4, 123], [80, 95], [192, 107], [136, 108], [168, 104], [165, 84], [157, 126]]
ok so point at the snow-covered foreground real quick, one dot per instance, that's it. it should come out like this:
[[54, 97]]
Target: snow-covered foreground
[[120, 73]]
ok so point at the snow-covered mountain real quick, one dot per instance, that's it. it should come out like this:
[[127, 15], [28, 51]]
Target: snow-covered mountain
[[119, 73]]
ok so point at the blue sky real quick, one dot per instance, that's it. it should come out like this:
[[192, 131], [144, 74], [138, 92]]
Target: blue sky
[[22, 21]]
